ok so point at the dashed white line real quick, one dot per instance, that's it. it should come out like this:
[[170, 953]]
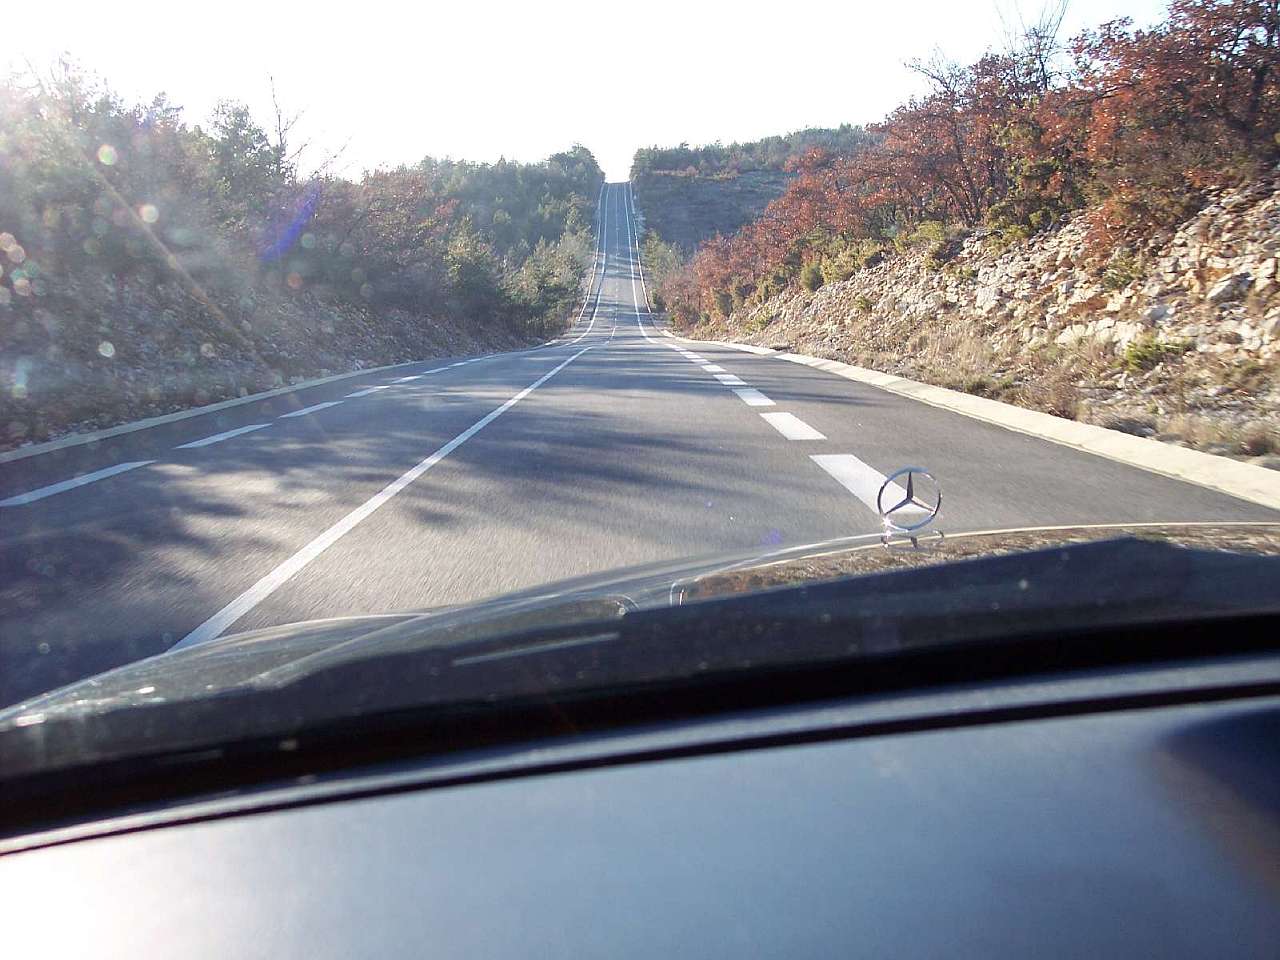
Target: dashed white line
[[753, 398], [311, 409], [32, 496], [862, 481], [219, 437], [366, 391], [415, 376], [729, 380], [269, 584], [792, 427], [712, 368]]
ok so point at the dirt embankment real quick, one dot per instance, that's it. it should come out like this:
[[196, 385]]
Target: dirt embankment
[[73, 364], [1176, 338]]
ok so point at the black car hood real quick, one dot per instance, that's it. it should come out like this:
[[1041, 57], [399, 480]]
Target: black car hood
[[278, 656]]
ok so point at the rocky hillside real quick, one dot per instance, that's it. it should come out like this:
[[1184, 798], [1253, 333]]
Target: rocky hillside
[[1177, 338]]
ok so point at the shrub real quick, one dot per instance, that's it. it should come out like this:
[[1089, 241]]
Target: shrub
[[811, 277], [1145, 352], [1122, 270]]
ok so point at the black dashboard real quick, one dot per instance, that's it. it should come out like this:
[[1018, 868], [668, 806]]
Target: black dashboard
[[1129, 812]]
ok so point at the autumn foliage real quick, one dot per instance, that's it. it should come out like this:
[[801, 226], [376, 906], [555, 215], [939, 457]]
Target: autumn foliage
[[1136, 125]]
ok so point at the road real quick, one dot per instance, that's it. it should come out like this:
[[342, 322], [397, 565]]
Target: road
[[458, 479]]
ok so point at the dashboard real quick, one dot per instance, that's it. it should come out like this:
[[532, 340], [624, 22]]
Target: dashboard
[[1120, 813]]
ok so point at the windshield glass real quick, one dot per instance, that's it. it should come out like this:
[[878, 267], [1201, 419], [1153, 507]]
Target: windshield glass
[[420, 327]]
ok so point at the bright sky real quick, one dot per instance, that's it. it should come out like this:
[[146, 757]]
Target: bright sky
[[396, 81]]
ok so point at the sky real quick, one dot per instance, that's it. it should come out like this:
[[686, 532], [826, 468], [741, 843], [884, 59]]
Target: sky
[[384, 83]]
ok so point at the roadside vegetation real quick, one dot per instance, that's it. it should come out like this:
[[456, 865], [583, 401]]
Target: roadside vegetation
[[1137, 126], [1083, 226], [690, 194], [148, 262]]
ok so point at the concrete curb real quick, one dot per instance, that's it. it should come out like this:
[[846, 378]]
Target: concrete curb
[[1243, 480], [76, 439]]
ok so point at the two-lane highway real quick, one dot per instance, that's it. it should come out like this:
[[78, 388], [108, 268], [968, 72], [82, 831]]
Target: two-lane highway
[[457, 479]]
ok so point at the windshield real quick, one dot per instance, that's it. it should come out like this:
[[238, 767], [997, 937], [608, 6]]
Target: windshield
[[450, 332]]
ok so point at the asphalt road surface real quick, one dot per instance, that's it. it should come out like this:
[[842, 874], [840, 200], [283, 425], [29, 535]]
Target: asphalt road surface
[[459, 479]]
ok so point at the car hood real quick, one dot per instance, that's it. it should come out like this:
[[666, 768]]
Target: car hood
[[276, 656]]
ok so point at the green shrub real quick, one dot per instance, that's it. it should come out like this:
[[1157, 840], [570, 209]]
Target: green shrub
[[1145, 352], [1122, 270], [811, 277]]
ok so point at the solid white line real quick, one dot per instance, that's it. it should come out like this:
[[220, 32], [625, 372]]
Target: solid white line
[[604, 248], [366, 391], [631, 195], [753, 398], [219, 437], [633, 258], [311, 409], [32, 496], [712, 368], [729, 380], [212, 628], [792, 427], [862, 481]]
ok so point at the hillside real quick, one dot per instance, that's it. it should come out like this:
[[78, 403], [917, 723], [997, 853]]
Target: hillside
[[148, 265], [1089, 228], [685, 210], [1180, 342], [687, 195]]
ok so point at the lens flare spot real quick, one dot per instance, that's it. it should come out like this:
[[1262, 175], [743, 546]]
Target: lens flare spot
[[107, 155], [294, 280], [366, 291], [22, 286], [206, 349], [148, 213], [16, 254], [107, 349], [7, 242], [308, 240]]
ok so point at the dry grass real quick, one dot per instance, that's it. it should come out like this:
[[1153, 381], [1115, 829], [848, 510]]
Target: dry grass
[[1252, 439]]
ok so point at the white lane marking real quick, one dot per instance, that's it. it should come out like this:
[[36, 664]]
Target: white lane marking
[[212, 628], [729, 380], [792, 427], [311, 409], [604, 250], [753, 398], [712, 368], [219, 437], [31, 496], [697, 359], [366, 391], [633, 258], [535, 648], [631, 195], [862, 481], [416, 376]]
